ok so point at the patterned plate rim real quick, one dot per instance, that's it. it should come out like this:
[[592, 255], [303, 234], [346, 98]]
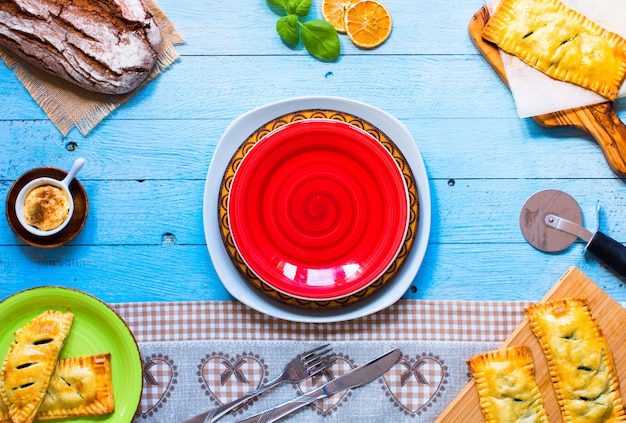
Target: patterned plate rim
[[244, 148]]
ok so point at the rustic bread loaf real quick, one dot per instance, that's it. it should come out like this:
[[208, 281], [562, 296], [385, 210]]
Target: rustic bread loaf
[[107, 46]]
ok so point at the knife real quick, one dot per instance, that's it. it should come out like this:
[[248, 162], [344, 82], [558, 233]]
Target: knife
[[361, 375]]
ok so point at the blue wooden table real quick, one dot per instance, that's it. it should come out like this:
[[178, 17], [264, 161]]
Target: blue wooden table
[[147, 162]]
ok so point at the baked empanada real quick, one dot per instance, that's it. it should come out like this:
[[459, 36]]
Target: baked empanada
[[560, 42], [506, 386], [580, 362], [30, 362], [79, 386]]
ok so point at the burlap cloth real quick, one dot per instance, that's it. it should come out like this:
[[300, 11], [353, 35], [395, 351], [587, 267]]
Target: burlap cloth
[[68, 105]]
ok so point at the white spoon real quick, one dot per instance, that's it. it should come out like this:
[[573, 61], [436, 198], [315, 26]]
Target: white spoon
[[63, 185]]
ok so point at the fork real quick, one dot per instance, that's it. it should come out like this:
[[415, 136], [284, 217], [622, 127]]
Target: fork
[[300, 368]]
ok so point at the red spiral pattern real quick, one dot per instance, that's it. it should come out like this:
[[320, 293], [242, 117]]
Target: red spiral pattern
[[318, 209]]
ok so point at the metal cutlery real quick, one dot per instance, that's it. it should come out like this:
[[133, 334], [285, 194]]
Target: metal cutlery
[[355, 377], [300, 368]]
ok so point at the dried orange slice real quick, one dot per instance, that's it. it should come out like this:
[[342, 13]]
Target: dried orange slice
[[334, 11], [368, 23]]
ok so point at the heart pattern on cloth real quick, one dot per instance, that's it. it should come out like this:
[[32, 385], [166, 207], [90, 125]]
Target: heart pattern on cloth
[[414, 384], [160, 375], [325, 406], [225, 378]]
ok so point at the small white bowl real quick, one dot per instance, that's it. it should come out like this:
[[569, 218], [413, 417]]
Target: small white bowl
[[21, 200], [63, 185]]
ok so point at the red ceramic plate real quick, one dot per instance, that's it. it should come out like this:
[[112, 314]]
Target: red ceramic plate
[[318, 209]]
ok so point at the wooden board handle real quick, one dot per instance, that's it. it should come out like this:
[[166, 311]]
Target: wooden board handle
[[598, 120], [602, 123], [489, 51]]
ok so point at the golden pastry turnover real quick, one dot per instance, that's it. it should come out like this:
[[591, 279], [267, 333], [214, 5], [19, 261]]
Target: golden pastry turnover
[[29, 364], [580, 362], [506, 386], [79, 386], [560, 42]]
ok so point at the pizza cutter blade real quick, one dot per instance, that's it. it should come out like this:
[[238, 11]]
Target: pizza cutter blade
[[551, 221]]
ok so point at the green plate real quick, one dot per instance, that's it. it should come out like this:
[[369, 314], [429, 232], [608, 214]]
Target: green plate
[[96, 329]]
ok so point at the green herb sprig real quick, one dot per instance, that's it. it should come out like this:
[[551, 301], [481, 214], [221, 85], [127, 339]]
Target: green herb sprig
[[319, 37]]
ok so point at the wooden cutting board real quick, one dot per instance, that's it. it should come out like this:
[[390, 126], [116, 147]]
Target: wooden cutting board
[[598, 120], [611, 317]]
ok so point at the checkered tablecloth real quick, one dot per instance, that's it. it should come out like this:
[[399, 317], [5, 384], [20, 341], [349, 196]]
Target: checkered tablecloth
[[198, 355]]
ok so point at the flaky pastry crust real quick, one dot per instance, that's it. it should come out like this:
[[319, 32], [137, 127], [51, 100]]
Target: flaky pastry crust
[[580, 361], [29, 364], [506, 386], [79, 386]]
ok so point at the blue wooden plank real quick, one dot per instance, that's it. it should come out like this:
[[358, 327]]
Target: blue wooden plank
[[127, 273], [181, 149], [118, 273], [217, 87], [480, 272], [233, 28], [464, 211]]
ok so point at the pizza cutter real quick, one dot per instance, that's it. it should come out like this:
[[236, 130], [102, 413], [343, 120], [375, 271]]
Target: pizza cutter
[[551, 221]]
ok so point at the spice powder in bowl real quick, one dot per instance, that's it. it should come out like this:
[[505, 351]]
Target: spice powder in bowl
[[46, 207]]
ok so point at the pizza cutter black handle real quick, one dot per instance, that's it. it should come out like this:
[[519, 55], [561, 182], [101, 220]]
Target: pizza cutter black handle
[[611, 252]]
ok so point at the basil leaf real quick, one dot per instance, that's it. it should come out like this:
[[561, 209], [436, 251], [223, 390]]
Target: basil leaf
[[299, 7], [278, 3], [321, 39], [287, 28]]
